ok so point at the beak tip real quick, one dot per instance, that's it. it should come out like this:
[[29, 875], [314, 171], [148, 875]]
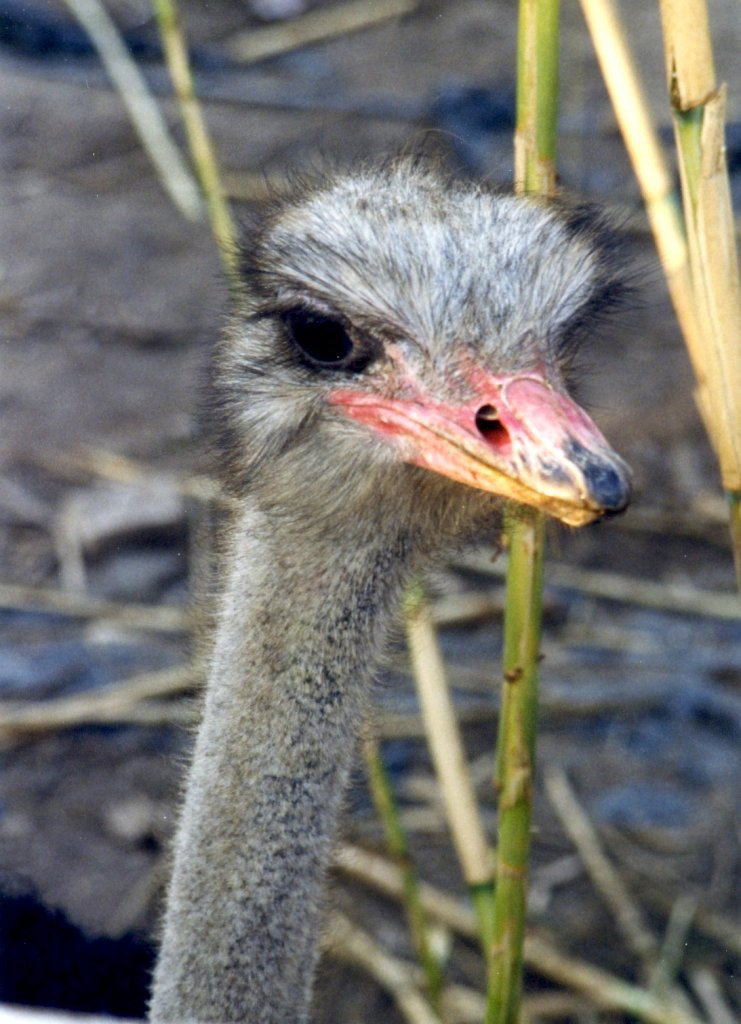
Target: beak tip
[[609, 487], [605, 477]]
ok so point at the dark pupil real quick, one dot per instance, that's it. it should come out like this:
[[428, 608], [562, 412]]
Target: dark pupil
[[322, 340]]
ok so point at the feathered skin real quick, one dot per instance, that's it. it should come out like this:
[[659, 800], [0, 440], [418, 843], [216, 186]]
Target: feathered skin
[[394, 373]]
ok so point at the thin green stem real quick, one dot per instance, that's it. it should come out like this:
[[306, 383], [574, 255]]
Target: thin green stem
[[734, 507], [146, 116], [537, 96], [515, 762], [535, 154], [199, 141], [398, 847], [483, 897], [689, 133]]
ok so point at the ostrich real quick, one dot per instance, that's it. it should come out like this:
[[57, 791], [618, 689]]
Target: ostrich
[[394, 374]]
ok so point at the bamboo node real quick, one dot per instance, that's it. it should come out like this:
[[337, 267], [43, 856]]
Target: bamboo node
[[516, 871], [517, 787]]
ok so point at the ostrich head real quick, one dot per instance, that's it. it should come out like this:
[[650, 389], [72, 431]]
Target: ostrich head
[[392, 324], [394, 321]]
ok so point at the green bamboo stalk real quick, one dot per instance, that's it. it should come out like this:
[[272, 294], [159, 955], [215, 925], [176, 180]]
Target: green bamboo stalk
[[535, 155], [515, 764], [199, 141], [537, 96], [734, 507], [398, 847]]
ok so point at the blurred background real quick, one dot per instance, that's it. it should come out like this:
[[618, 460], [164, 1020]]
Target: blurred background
[[109, 302]]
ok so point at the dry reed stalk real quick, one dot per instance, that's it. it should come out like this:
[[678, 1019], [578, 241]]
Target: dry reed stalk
[[647, 156], [315, 27], [152, 714], [145, 115], [627, 914], [698, 107], [699, 257], [350, 944], [602, 989], [155, 618], [108, 705], [448, 755], [613, 586], [710, 995], [145, 710], [25, 1015], [673, 946], [353, 945]]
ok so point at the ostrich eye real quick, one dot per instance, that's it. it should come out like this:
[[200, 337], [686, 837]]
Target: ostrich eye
[[322, 340]]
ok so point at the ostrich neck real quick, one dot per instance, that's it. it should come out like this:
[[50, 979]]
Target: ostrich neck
[[298, 639]]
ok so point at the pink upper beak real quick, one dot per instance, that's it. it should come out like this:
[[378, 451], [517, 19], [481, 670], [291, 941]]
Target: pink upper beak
[[517, 436]]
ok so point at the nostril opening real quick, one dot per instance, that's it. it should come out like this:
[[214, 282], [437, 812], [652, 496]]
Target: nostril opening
[[489, 424]]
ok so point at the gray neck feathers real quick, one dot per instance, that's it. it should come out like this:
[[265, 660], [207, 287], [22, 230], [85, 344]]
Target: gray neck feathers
[[301, 627]]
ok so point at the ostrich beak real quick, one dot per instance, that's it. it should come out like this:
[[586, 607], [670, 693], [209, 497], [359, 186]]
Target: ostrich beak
[[515, 435]]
